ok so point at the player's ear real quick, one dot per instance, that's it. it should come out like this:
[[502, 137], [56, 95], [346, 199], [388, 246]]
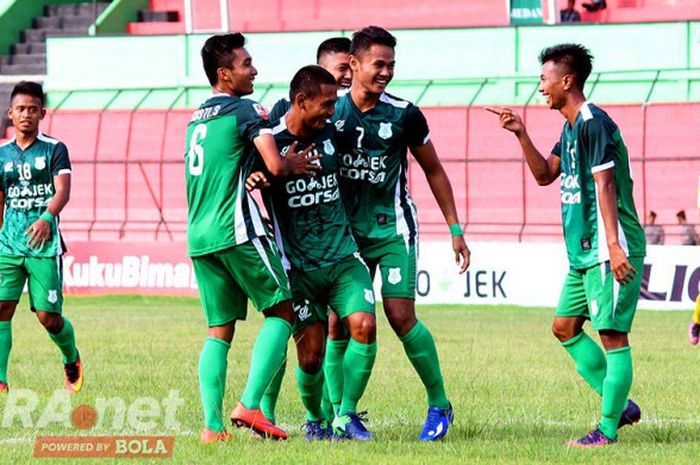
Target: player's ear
[[568, 81], [42, 113], [301, 100], [354, 64]]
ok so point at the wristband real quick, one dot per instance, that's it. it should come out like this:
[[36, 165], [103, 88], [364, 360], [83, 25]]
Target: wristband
[[456, 229], [47, 216]]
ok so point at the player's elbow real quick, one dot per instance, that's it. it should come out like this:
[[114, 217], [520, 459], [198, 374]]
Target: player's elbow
[[544, 180]]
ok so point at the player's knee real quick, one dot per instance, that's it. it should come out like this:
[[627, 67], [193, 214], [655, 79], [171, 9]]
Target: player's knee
[[402, 320], [283, 311], [7, 310], [562, 330], [311, 363], [52, 322], [363, 327], [335, 326]]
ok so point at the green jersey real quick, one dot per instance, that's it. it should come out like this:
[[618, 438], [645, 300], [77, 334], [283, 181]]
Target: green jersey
[[373, 147], [27, 184], [310, 224], [219, 155], [592, 145]]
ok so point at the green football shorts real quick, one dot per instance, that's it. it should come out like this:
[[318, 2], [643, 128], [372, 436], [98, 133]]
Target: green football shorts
[[346, 287], [229, 277], [45, 281], [397, 265], [594, 294]]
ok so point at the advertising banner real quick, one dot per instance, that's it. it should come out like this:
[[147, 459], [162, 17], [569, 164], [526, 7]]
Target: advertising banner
[[527, 274]]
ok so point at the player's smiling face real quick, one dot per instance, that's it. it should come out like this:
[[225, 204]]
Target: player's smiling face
[[25, 112], [239, 78], [338, 64], [319, 109], [554, 83], [374, 68]]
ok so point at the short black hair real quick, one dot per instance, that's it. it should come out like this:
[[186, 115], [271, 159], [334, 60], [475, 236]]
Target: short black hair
[[217, 52], [363, 39], [333, 45], [681, 214], [308, 81], [575, 57], [29, 88]]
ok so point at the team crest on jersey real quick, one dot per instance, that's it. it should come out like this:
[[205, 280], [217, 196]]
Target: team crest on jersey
[[340, 125], [9, 166], [303, 312], [385, 131], [394, 275], [369, 296], [40, 163], [328, 147], [53, 296], [260, 110]]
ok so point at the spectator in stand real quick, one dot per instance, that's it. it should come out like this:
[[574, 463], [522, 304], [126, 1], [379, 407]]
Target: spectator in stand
[[570, 15], [595, 5], [688, 234], [654, 232]]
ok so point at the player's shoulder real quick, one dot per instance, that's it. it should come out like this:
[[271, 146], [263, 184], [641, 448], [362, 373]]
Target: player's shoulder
[[51, 143], [595, 118], [392, 101]]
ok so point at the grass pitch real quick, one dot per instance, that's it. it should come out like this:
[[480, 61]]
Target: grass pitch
[[516, 395]]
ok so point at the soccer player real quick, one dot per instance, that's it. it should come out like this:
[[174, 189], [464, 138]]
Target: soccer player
[[324, 267], [334, 56], [375, 132], [232, 257], [35, 187], [694, 328], [604, 240]]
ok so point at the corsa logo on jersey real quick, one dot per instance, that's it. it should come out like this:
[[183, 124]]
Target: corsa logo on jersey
[[305, 192], [358, 167]]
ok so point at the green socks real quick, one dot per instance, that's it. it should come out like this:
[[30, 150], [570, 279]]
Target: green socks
[[357, 367], [272, 393], [5, 347], [333, 369], [420, 348], [65, 340], [326, 404], [269, 353], [212, 381], [616, 388], [589, 359], [311, 391]]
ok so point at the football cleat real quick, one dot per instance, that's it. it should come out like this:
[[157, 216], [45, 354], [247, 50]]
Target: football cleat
[[317, 430], [4, 388], [436, 423], [631, 415], [593, 439], [74, 375], [208, 436], [693, 332], [350, 427], [254, 419]]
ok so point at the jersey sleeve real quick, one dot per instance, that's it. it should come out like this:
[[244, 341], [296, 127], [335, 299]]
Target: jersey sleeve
[[416, 127], [252, 120], [60, 163], [600, 150], [279, 109], [556, 150]]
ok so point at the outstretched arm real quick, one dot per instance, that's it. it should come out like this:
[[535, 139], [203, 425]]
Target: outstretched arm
[[442, 191], [544, 170]]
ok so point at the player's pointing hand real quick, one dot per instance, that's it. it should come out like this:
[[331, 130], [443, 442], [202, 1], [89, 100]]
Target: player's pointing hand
[[508, 118]]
